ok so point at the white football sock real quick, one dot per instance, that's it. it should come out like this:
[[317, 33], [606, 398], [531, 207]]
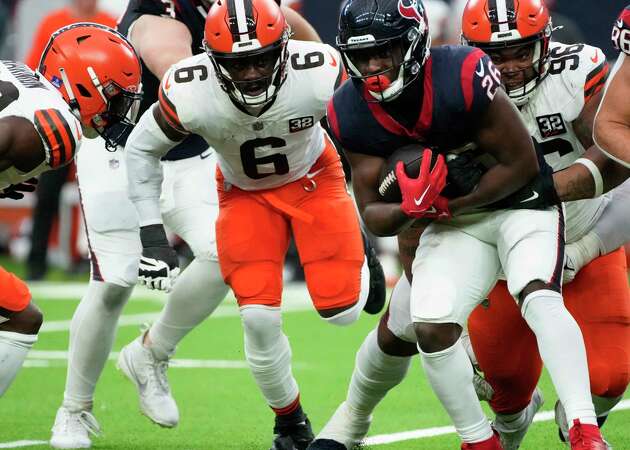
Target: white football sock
[[92, 333], [196, 294], [603, 405], [269, 355], [561, 347], [450, 374], [375, 373], [13, 350]]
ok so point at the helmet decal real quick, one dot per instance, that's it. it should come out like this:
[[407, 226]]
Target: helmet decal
[[409, 9]]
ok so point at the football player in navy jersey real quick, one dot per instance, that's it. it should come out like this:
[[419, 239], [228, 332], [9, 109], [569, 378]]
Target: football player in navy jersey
[[612, 123], [162, 32], [448, 98]]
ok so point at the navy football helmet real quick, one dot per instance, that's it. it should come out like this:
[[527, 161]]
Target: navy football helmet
[[382, 27]]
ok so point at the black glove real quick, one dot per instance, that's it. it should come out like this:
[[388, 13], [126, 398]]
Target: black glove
[[159, 265], [539, 193], [16, 191], [464, 173]]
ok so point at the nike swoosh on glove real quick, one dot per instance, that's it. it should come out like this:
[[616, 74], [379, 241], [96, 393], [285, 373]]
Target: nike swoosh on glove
[[420, 194], [159, 266]]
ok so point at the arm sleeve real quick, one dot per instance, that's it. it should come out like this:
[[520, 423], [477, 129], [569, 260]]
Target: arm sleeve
[[147, 143]]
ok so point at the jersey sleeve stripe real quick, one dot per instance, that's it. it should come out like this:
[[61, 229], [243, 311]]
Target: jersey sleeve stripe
[[331, 116], [170, 113], [466, 75], [45, 129], [67, 138], [595, 81]]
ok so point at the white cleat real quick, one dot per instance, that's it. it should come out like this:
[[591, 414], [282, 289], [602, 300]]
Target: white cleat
[[73, 429], [346, 427], [511, 436], [149, 375]]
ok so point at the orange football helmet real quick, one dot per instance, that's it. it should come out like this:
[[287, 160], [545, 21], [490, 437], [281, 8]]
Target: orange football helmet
[[98, 73], [497, 24], [242, 33]]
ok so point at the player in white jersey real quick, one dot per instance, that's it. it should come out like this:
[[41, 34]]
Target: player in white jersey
[[257, 98], [612, 124], [78, 90], [162, 33], [558, 107]]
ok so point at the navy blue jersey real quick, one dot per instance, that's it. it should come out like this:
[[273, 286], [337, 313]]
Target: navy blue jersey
[[191, 14], [455, 89]]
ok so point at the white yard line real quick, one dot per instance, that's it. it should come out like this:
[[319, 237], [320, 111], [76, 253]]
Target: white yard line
[[380, 439], [17, 444], [58, 358], [296, 298]]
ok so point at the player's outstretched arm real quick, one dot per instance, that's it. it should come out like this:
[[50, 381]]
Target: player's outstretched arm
[[302, 30], [382, 219], [612, 123], [501, 133], [145, 147], [594, 173], [160, 42]]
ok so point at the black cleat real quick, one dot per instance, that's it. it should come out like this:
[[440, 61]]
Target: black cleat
[[292, 436], [326, 444], [377, 295]]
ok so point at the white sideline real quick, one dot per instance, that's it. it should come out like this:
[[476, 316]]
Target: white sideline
[[380, 439]]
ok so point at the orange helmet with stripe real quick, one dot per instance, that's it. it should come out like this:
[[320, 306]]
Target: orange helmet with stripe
[[499, 24], [247, 43], [98, 73]]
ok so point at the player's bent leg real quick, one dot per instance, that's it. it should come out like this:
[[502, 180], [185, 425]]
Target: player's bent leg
[[381, 364], [599, 300], [268, 354], [506, 352], [444, 292], [611, 231]]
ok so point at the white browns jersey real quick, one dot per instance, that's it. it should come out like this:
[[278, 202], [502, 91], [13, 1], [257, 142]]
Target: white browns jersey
[[26, 94], [262, 152], [576, 73]]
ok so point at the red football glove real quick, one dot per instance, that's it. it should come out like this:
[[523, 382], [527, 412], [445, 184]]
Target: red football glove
[[421, 196]]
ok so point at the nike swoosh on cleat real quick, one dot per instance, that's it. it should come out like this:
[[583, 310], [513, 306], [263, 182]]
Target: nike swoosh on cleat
[[533, 197], [418, 201]]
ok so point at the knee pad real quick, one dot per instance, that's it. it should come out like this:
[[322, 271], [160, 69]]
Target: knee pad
[[14, 295], [262, 327], [609, 370], [335, 284], [338, 284], [257, 283]]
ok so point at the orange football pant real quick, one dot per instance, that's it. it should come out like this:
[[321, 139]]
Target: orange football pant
[[14, 293], [506, 349], [254, 228]]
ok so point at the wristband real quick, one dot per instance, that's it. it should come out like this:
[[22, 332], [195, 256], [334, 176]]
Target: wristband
[[597, 176]]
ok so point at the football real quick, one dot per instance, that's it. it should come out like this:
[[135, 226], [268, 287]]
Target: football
[[464, 172]]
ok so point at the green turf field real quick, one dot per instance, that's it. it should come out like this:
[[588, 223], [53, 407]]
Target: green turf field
[[221, 408]]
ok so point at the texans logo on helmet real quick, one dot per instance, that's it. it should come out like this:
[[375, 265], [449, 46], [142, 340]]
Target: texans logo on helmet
[[410, 10]]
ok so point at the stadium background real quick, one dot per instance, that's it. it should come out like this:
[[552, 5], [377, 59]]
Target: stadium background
[[221, 407]]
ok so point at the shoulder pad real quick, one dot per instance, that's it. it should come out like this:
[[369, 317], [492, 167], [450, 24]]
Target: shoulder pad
[[583, 68], [178, 91]]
